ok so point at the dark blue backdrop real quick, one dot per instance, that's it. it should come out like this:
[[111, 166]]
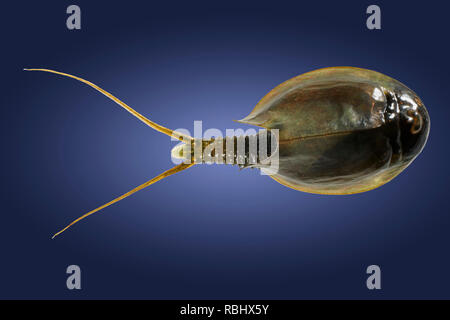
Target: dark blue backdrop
[[211, 231]]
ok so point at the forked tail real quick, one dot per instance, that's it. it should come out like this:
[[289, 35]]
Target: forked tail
[[157, 127]]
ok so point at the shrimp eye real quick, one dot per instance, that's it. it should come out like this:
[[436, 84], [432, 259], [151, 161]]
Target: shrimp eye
[[417, 121]]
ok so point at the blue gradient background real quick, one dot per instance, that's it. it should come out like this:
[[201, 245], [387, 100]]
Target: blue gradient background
[[212, 231]]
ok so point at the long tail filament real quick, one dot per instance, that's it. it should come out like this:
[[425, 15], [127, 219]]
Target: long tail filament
[[150, 123], [163, 175]]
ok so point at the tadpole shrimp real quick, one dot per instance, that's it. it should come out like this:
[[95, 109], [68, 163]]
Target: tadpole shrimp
[[341, 130]]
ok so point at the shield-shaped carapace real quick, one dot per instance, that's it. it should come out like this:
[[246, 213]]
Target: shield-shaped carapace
[[340, 130]]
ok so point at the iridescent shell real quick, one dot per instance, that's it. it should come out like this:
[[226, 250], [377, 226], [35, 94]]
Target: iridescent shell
[[342, 130]]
